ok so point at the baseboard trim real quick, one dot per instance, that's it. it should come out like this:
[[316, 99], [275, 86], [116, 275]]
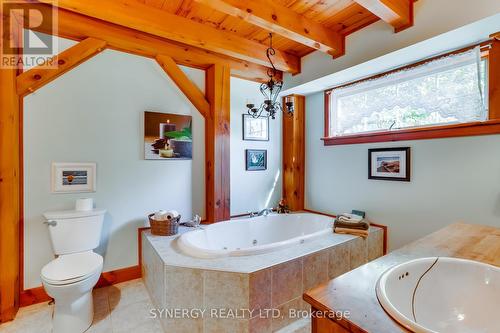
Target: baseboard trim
[[38, 294]]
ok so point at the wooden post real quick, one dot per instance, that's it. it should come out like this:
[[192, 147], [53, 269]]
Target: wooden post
[[10, 187], [494, 80], [294, 154], [217, 130]]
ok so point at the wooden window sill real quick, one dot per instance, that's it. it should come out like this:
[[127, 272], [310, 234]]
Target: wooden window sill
[[422, 133]]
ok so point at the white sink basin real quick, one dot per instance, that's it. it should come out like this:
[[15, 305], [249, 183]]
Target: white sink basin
[[442, 295]]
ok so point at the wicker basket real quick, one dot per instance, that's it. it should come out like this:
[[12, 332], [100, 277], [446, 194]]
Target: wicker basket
[[164, 228]]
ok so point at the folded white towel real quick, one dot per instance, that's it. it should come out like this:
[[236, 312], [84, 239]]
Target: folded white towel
[[350, 218]]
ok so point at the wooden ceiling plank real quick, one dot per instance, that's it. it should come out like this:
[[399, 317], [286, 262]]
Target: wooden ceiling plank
[[398, 13], [78, 27], [190, 90], [158, 22], [283, 21], [37, 77]]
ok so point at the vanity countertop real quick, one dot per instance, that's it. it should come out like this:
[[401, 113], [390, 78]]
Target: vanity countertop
[[355, 291]]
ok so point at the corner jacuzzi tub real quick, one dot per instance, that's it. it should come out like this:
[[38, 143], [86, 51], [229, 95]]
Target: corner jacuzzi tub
[[255, 235]]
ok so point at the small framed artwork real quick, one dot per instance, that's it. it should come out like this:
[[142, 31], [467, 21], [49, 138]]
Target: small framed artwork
[[167, 136], [73, 177], [256, 159], [255, 129], [389, 164]]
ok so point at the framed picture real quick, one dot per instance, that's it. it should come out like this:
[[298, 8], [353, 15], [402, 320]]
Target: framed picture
[[167, 136], [256, 159], [73, 177], [255, 129], [389, 164]]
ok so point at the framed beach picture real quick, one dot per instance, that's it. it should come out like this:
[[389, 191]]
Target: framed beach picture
[[255, 129], [73, 177], [256, 159], [167, 136], [389, 164]]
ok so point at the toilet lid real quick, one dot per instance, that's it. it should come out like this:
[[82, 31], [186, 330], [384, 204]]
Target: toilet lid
[[71, 267]]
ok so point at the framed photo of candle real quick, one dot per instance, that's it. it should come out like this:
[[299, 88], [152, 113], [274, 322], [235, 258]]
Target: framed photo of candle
[[255, 129], [256, 159], [167, 136], [73, 177]]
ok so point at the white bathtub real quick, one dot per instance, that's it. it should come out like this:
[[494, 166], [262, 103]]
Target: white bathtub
[[244, 237]]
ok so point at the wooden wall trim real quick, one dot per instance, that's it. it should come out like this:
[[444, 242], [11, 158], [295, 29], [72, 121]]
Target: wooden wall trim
[[294, 154], [422, 133], [37, 77], [188, 88], [217, 140], [10, 182], [494, 80]]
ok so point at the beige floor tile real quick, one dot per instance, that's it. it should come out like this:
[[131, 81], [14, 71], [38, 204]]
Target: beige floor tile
[[123, 294], [33, 319], [130, 313], [126, 317]]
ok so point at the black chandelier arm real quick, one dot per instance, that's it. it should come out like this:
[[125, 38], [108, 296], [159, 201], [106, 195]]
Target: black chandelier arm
[[270, 90]]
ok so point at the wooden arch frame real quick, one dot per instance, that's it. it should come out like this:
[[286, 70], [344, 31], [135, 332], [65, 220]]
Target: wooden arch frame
[[214, 105]]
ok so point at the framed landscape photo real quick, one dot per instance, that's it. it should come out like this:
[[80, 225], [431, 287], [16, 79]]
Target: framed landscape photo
[[389, 164], [73, 177], [255, 129], [256, 159]]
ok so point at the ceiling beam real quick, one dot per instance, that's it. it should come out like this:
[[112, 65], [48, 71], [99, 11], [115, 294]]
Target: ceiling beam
[[37, 77], [190, 90], [398, 13], [79, 27], [132, 14], [283, 21]]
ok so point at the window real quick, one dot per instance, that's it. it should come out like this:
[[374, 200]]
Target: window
[[449, 91]]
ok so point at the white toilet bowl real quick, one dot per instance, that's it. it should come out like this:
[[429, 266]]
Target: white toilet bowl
[[69, 279]]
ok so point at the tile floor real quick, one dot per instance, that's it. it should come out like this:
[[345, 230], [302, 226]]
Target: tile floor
[[119, 308]]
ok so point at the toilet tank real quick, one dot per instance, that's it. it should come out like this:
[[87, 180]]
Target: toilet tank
[[74, 231]]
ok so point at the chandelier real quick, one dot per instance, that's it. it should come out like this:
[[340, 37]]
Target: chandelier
[[271, 90]]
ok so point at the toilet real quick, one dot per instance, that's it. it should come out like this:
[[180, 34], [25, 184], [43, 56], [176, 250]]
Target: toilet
[[70, 277]]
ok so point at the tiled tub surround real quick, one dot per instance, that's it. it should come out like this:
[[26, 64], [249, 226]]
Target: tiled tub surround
[[260, 283]]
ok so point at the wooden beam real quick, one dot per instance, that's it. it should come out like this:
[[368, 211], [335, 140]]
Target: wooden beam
[[398, 13], [496, 36], [78, 27], [217, 131], [133, 14], [294, 154], [10, 179], [274, 17], [494, 80], [37, 77], [190, 90]]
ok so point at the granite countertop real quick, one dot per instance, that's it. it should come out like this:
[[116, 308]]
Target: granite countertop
[[355, 290], [167, 249]]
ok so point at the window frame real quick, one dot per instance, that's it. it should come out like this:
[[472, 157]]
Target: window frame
[[490, 126]]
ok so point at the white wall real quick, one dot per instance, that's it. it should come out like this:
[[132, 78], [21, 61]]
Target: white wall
[[253, 190], [456, 179], [432, 18], [94, 113]]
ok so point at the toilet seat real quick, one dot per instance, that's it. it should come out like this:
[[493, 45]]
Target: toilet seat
[[71, 268]]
